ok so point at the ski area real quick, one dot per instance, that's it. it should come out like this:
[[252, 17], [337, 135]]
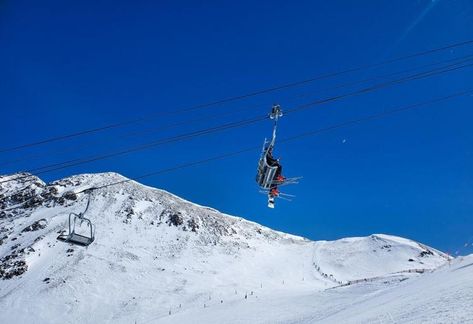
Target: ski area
[[158, 258], [261, 162]]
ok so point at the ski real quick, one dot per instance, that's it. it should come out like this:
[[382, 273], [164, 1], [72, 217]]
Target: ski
[[266, 192], [287, 181]]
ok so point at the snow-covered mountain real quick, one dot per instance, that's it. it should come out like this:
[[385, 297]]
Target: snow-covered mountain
[[158, 257]]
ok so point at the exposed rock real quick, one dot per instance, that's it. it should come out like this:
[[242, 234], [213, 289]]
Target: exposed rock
[[70, 195], [175, 219], [192, 225], [11, 267], [39, 224], [425, 253]]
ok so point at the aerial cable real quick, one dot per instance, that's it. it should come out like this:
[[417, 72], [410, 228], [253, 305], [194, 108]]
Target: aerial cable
[[283, 141], [130, 135], [457, 60], [35, 156], [142, 147], [67, 164], [377, 116], [297, 137], [378, 86], [234, 98]]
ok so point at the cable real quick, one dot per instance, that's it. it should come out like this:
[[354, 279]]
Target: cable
[[283, 141], [457, 60], [294, 138], [236, 124], [234, 98], [30, 157], [129, 135], [69, 164], [297, 137], [378, 86], [378, 115]]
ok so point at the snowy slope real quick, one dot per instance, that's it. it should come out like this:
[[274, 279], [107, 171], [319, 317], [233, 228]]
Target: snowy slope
[[443, 296], [157, 256], [374, 256]]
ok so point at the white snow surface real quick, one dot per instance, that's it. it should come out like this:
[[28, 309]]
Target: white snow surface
[[160, 259]]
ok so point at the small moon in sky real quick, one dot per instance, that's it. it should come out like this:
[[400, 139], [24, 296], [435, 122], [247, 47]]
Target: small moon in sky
[[344, 141]]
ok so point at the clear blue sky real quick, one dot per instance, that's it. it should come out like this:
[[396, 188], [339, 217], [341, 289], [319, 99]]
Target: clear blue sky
[[69, 66]]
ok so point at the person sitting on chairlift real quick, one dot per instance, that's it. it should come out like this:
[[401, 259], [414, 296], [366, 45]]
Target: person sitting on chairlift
[[278, 175]]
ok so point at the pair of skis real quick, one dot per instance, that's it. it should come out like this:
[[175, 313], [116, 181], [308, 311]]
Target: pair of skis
[[287, 181]]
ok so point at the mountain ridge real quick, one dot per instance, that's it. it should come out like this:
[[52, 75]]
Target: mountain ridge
[[157, 251]]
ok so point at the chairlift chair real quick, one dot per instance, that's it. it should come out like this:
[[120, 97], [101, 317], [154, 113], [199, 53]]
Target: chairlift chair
[[76, 238], [266, 173]]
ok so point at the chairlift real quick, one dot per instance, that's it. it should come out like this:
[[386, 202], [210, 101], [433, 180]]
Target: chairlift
[[81, 239], [267, 172]]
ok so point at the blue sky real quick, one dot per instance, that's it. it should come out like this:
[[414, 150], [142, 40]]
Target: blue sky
[[70, 66]]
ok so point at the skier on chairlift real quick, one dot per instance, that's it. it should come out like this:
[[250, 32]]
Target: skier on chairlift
[[278, 177], [269, 172]]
